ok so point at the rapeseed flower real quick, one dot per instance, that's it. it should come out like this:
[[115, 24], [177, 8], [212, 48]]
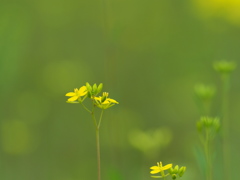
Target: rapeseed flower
[[159, 168], [82, 91], [104, 102]]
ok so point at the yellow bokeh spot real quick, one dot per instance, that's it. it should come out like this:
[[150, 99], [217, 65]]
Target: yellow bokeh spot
[[16, 137], [226, 9], [60, 75]]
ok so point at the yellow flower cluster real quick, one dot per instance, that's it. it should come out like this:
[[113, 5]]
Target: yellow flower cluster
[[173, 172], [103, 102]]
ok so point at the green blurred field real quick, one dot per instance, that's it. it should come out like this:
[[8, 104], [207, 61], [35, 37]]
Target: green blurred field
[[148, 54]]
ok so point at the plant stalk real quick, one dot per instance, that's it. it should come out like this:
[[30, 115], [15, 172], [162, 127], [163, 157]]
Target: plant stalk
[[98, 153], [97, 125], [208, 157]]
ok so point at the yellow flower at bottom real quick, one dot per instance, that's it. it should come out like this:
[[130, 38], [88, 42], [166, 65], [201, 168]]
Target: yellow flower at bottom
[[159, 168], [77, 94]]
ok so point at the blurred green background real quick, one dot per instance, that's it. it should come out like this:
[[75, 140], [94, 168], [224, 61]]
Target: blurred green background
[[148, 54]]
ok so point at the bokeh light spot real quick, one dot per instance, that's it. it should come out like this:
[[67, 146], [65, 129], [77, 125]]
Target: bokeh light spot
[[16, 137], [62, 75]]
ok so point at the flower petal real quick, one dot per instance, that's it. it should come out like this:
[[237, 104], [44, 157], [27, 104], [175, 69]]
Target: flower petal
[[154, 167], [97, 98], [74, 98], [112, 100], [82, 91], [106, 102], [168, 166], [70, 94], [155, 171]]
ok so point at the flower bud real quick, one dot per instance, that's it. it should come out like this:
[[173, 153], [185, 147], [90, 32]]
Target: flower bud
[[94, 89], [99, 89], [181, 171], [174, 176], [89, 88], [170, 171], [175, 170]]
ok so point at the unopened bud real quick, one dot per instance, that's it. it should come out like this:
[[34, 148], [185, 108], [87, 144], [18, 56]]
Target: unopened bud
[[174, 176], [175, 170], [99, 89], [181, 171]]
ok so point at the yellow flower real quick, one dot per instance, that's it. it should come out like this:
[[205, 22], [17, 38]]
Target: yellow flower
[[159, 168], [104, 102], [77, 94]]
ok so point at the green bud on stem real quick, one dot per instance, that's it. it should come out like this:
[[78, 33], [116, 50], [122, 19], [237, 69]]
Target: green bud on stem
[[181, 171]]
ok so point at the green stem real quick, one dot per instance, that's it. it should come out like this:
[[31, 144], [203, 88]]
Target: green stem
[[100, 119], [93, 116], [225, 122], [94, 119], [208, 158], [98, 153], [97, 125], [163, 175], [86, 108]]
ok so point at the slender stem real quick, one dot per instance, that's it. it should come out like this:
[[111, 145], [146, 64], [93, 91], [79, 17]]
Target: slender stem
[[93, 115], [98, 153], [208, 158], [94, 119], [100, 119], [86, 108], [163, 175], [97, 125]]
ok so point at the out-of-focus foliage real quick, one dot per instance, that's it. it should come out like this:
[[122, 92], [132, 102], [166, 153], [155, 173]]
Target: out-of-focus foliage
[[150, 142], [150, 54], [226, 9]]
